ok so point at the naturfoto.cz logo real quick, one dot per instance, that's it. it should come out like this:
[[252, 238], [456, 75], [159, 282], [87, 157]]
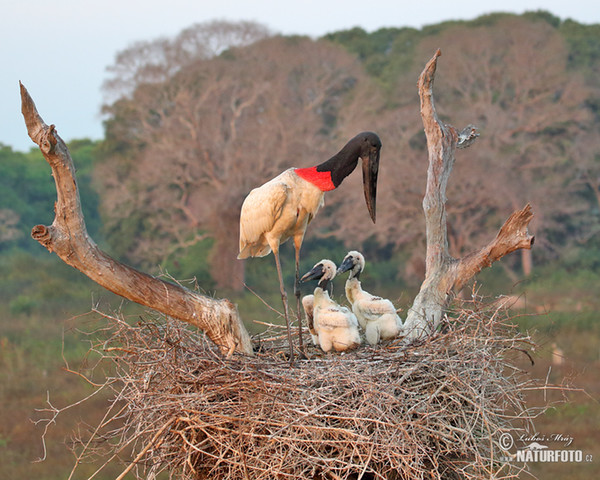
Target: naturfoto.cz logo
[[534, 451]]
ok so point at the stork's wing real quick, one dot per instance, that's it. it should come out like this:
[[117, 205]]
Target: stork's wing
[[260, 210], [373, 308]]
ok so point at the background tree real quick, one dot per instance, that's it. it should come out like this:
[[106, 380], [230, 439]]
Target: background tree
[[198, 142], [155, 61], [194, 97], [529, 109], [512, 79]]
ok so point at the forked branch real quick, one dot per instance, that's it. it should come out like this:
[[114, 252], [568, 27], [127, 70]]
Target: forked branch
[[445, 274], [512, 236], [68, 238]]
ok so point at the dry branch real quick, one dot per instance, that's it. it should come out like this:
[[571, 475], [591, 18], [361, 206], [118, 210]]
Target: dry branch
[[68, 238], [445, 274]]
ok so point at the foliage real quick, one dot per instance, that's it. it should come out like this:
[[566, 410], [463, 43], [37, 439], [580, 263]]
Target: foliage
[[584, 46], [539, 135], [385, 53], [27, 193], [537, 132]]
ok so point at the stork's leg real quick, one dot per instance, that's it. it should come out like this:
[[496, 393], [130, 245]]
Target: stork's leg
[[285, 304], [297, 245]]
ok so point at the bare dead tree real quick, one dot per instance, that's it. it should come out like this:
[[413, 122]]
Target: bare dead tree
[[68, 238], [445, 274], [513, 78]]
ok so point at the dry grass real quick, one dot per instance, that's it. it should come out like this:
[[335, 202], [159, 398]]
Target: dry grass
[[430, 410]]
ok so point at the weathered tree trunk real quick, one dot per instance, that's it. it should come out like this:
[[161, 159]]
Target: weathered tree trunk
[[445, 274], [226, 269], [527, 262], [68, 238]]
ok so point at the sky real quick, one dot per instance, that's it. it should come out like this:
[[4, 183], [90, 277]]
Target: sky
[[60, 49]]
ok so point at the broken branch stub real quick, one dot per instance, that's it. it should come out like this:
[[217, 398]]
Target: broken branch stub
[[68, 238], [445, 274]]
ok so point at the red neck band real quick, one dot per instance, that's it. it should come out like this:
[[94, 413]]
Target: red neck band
[[322, 180]]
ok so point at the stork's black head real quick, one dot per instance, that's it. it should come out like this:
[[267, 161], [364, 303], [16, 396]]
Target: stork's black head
[[366, 146], [369, 154]]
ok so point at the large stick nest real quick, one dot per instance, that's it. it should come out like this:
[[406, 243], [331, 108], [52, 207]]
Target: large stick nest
[[431, 410]]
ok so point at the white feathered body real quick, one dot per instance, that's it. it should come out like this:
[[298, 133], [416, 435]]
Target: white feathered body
[[376, 315], [308, 302], [336, 326], [276, 211]]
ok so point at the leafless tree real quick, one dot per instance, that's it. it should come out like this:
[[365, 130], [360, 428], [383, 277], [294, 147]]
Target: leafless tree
[[67, 237], [155, 61], [510, 78], [445, 274]]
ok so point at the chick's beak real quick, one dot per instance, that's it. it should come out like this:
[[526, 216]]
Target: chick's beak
[[316, 272], [346, 265]]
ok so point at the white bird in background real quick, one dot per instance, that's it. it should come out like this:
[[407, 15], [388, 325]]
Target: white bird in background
[[376, 315], [284, 206], [308, 303], [336, 326]]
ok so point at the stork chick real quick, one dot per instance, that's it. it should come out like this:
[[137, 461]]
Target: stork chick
[[376, 315], [336, 326], [283, 207], [308, 303]]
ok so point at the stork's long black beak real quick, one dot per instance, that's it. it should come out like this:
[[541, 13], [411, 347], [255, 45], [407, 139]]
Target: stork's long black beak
[[346, 265], [316, 272], [370, 168]]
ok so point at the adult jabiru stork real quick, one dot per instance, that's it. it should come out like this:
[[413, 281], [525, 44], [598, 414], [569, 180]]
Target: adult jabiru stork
[[284, 206], [376, 315], [336, 327]]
